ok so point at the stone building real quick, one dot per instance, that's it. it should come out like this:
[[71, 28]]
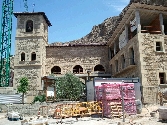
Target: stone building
[[35, 58], [136, 48]]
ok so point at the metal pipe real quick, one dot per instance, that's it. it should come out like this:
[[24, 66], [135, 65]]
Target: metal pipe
[[123, 103]]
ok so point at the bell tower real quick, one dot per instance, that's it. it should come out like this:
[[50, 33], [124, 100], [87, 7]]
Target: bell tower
[[30, 47]]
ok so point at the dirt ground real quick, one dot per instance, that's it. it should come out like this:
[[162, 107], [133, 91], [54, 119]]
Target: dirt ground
[[140, 119]]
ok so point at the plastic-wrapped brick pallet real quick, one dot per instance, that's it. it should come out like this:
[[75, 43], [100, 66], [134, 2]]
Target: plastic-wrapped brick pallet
[[111, 91]]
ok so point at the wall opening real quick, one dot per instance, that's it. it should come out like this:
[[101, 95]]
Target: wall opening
[[77, 69], [111, 69], [162, 78], [159, 46], [131, 59], [99, 69], [22, 56], [123, 61], [33, 56], [56, 70], [116, 65], [29, 26]]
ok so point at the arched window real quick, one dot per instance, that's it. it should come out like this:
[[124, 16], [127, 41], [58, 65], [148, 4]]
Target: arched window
[[77, 69], [99, 68], [33, 56], [56, 70], [22, 56], [29, 26]]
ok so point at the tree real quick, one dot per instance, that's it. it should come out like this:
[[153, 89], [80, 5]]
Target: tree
[[23, 87], [69, 87]]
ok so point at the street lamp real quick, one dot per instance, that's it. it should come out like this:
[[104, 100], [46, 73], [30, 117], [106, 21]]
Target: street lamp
[[88, 71]]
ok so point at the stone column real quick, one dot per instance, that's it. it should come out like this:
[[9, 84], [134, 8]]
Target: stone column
[[137, 15], [161, 23]]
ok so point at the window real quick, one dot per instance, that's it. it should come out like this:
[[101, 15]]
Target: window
[[132, 56], [116, 65], [123, 61], [111, 69], [56, 70], [162, 78], [29, 26], [77, 69], [22, 56], [159, 46], [33, 56], [99, 68]]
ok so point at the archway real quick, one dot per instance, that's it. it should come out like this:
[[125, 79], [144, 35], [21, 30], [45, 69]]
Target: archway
[[56, 70], [77, 69], [99, 69]]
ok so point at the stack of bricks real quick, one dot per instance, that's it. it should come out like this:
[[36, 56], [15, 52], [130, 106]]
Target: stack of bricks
[[129, 98], [110, 94]]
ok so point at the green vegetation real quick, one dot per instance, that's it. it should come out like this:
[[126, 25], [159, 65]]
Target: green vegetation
[[39, 98], [23, 86], [69, 87]]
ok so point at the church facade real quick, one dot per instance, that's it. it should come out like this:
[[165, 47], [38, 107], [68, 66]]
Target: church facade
[[137, 48]]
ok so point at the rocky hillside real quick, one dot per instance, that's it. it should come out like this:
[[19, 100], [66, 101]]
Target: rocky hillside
[[98, 35], [101, 33], [151, 2]]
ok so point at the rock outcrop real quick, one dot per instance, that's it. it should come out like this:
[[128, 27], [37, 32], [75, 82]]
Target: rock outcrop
[[98, 35], [101, 33]]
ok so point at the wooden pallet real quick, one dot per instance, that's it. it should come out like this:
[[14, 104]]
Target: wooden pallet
[[116, 109]]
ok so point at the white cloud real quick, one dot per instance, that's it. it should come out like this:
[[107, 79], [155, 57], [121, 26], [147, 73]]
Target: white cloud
[[118, 5]]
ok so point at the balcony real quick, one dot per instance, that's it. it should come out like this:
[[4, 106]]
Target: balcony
[[150, 29], [130, 64]]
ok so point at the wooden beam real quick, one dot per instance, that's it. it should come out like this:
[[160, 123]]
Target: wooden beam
[[122, 26]]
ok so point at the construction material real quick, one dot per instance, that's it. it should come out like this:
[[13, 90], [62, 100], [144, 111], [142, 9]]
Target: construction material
[[162, 113], [111, 93], [77, 109], [13, 116], [116, 109]]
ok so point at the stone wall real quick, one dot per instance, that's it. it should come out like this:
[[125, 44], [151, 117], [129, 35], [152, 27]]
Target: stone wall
[[133, 71], [33, 74], [152, 63], [66, 57]]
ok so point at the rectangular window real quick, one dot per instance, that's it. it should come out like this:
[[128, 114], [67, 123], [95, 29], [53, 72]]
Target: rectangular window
[[116, 65], [33, 56], [123, 61], [111, 68], [159, 46], [162, 78]]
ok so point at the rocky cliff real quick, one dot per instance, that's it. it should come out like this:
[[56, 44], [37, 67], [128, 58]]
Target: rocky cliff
[[101, 33], [98, 35]]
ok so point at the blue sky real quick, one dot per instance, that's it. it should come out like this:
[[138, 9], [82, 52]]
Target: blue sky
[[71, 19]]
